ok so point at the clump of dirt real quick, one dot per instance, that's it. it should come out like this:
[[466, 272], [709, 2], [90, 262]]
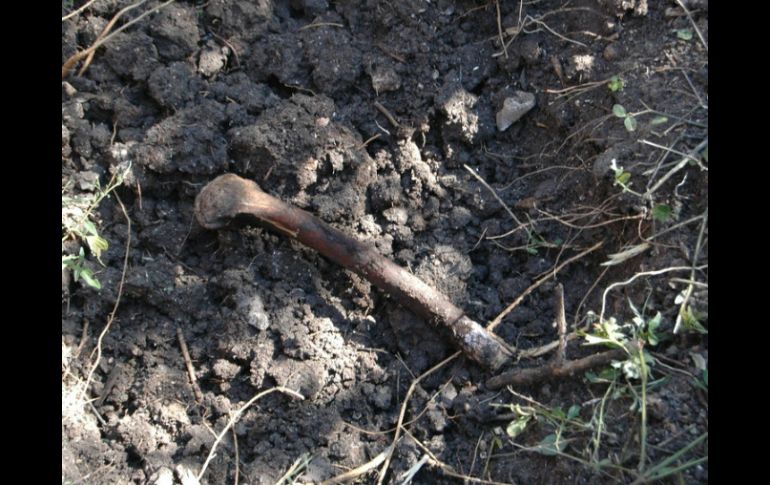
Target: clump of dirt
[[474, 144]]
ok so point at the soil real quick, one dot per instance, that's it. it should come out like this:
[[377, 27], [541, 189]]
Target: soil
[[284, 93]]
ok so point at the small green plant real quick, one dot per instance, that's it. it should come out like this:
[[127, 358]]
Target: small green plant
[[690, 318], [684, 34], [555, 418], [536, 241], [628, 119], [631, 337], [78, 225], [615, 84], [662, 212], [622, 178], [77, 264]]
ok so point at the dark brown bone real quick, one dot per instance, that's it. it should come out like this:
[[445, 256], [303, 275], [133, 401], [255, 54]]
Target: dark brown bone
[[229, 196]]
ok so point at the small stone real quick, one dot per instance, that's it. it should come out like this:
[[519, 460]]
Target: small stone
[[68, 89], [225, 370], [382, 397], [87, 180], [514, 108], [656, 407], [186, 475], [253, 311], [610, 52], [164, 476], [396, 215], [211, 61], [385, 78]]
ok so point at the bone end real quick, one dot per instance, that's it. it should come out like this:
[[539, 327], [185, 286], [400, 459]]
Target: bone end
[[222, 199]]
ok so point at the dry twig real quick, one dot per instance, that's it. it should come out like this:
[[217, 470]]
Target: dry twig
[[235, 417], [189, 365], [78, 10], [360, 470], [525, 377], [382, 109], [98, 349], [78, 56], [399, 425], [494, 323]]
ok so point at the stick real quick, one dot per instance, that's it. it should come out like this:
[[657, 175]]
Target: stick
[[382, 109], [188, 363], [235, 418], [494, 323], [98, 350], [401, 414], [525, 377]]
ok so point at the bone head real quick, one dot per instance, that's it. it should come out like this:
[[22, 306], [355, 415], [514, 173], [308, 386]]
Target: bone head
[[222, 199]]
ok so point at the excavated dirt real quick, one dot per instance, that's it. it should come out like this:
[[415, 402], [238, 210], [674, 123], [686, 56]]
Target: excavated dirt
[[291, 94]]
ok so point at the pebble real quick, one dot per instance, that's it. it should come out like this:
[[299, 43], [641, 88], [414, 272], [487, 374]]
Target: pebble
[[610, 52], [212, 60], [514, 108], [163, 476]]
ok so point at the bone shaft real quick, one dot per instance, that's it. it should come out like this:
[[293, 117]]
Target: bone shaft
[[475, 341]]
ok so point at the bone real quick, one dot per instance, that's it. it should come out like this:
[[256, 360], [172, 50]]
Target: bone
[[229, 197]]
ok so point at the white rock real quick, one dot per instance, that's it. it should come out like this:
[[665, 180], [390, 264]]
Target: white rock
[[164, 476], [514, 108]]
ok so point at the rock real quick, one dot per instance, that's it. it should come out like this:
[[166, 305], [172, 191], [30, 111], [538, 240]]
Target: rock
[[186, 475], [610, 52], [87, 181], [163, 476], [468, 117], [384, 78], [396, 215], [212, 59], [514, 108]]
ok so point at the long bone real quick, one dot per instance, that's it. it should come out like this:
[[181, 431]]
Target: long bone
[[230, 196]]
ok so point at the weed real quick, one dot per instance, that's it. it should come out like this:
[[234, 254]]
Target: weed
[[631, 337], [629, 121], [558, 420], [615, 84], [622, 177], [76, 264], [78, 225], [630, 378], [536, 241], [662, 212], [689, 317], [684, 34]]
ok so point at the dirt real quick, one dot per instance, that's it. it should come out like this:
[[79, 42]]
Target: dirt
[[284, 93]]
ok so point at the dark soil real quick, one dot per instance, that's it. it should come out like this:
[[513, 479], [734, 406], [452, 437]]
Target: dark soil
[[284, 93]]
